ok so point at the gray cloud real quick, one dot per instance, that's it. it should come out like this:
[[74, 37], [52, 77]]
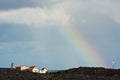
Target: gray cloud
[[14, 4], [97, 20], [76, 10]]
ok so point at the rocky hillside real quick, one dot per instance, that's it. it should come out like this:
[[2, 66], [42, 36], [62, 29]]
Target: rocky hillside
[[81, 73]]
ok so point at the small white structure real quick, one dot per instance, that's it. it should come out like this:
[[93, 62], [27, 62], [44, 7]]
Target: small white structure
[[33, 69], [43, 70], [22, 67]]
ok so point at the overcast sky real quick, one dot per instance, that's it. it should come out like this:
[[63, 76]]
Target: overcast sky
[[29, 32]]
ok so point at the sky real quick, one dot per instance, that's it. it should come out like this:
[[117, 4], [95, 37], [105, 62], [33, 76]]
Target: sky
[[53, 33]]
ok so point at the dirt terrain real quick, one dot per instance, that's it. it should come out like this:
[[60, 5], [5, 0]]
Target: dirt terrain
[[81, 73]]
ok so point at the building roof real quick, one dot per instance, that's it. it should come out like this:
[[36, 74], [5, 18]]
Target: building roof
[[31, 67], [19, 66]]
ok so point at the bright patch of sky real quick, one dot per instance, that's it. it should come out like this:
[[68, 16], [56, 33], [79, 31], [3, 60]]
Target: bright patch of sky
[[29, 30]]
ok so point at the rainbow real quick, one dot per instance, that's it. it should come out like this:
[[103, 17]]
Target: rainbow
[[82, 48]]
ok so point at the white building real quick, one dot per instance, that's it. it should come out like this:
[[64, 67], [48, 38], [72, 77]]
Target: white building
[[22, 67], [43, 70], [33, 69]]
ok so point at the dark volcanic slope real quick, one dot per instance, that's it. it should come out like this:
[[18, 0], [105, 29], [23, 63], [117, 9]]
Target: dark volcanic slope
[[13, 74], [81, 73], [86, 73]]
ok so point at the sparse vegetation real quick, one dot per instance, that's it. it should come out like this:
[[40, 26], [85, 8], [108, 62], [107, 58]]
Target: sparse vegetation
[[81, 73]]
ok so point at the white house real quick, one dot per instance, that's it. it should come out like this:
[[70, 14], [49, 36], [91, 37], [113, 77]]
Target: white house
[[22, 67], [33, 69], [43, 70]]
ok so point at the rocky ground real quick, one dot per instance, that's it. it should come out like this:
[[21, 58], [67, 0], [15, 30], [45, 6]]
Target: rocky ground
[[81, 73]]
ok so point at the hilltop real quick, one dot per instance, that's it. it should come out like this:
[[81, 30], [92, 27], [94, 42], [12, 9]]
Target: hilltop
[[81, 73]]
